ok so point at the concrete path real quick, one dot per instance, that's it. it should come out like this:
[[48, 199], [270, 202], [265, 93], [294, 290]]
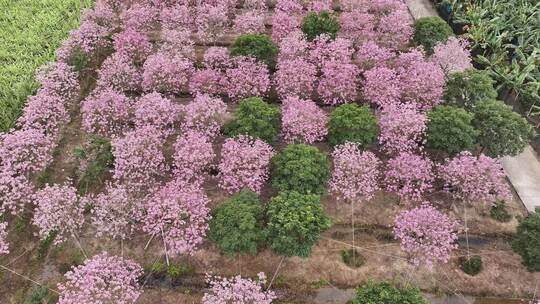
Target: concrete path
[[524, 174], [523, 170], [421, 8]]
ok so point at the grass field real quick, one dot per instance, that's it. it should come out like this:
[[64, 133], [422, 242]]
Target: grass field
[[30, 32]]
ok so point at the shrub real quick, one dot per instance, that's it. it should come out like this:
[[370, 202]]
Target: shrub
[[95, 159], [527, 241], [295, 222], [238, 290], [236, 224], [450, 129], [499, 213], [175, 271], [258, 46], [467, 88], [244, 163], [300, 168], [502, 131], [352, 123], [387, 293], [471, 266], [352, 258], [428, 31], [255, 118], [324, 22]]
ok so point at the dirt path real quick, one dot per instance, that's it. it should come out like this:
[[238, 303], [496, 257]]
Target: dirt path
[[523, 171]]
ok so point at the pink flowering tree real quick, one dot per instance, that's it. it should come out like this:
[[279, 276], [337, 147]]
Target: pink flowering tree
[[178, 42], [338, 83], [410, 175], [453, 55], [324, 50], [421, 81], [395, 29], [178, 16], [295, 77], [58, 210], [250, 22], [410, 79], [475, 179], [294, 46], [320, 5], [211, 21], [355, 177], [103, 279], [141, 17], [289, 6], [138, 159], [402, 128], [4, 245], [16, 191], [356, 174], [244, 163], [216, 57], [46, 112], [357, 25], [156, 111], [208, 81], [205, 114], [25, 152], [381, 86], [119, 72], [247, 78], [369, 55], [193, 154], [86, 41], [284, 24], [132, 44], [178, 213], [303, 121], [426, 235], [59, 79], [107, 113], [114, 212], [238, 290], [167, 73]]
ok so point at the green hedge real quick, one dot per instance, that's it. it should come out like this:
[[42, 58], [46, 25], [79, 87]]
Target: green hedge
[[30, 31]]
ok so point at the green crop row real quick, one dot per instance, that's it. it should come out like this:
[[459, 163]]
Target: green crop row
[[30, 32]]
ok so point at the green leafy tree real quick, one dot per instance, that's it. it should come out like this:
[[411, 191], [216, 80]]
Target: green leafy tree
[[255, 118], [384, 292], [466, 89], [259, 46], [450, 129], [236, 224], [300, 168], [295, 222], [428, 31], [353, 123], [502, 131], [527, 241], [324, 22]]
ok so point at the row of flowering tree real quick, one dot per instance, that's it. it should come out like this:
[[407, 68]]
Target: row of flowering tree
[[363, 53]]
